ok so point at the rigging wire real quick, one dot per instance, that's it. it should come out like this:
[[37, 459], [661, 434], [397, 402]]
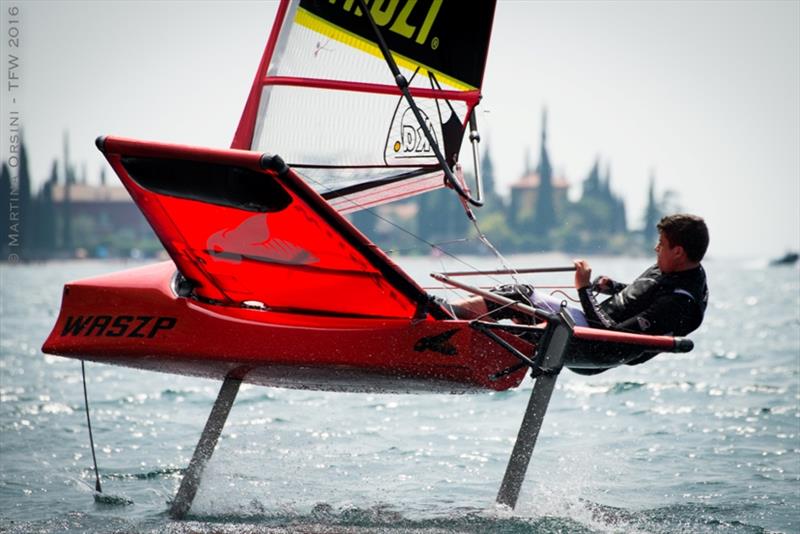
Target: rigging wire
[[481, 236], [449, 304], [438, 246], [402, 84], [401, 228], [450, 177], [566, 295], [485, 240], [97, 487]]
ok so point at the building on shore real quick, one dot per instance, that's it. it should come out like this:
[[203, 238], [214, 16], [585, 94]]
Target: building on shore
[[103, 221], [525, 194], [544, 218], [539, 197]]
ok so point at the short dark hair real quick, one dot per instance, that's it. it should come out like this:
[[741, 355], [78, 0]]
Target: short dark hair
[[688, 231]]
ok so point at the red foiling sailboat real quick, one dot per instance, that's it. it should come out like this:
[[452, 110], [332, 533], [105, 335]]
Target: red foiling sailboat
[[270, 284]]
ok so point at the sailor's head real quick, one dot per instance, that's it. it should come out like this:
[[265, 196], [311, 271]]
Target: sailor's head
[[682, 242]]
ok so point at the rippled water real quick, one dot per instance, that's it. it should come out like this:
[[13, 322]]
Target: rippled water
[[700, 442]]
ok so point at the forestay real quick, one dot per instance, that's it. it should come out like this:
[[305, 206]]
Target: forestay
[[325, 101]]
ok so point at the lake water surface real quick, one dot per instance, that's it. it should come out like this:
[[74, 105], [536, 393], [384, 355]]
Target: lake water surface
[[707, 441]]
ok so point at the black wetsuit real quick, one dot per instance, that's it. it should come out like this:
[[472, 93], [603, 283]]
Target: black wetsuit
[[655, 303]]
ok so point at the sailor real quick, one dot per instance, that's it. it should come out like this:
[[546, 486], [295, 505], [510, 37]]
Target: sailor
[[669, 298]]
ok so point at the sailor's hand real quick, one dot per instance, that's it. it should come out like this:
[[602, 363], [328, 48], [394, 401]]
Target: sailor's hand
[[583, 274], [602, 284]]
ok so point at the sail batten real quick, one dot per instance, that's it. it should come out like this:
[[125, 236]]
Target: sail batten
[[472, 96], [324, 98]]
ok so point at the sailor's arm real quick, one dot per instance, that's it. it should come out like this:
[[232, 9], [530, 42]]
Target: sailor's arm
[[607, 286], [595, 315]]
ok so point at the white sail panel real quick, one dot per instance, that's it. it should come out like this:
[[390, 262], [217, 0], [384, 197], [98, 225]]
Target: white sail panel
[[315, 49], [327, 103], [317, 126]]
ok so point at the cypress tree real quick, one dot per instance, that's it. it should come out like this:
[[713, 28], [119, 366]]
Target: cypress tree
[[606, 193], [459, 223], [618, 223], [48, 215], [544, 218], [27, 215], [620, 217], [492, 201], [441, 217], [652, 215], [364, 220], [591, 185], [66, 212], [426, 215]]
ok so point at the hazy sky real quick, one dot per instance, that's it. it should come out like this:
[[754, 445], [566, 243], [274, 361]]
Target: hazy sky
[[705, 95]]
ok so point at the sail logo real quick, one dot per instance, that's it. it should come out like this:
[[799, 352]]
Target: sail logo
[[444, 38], [408, 18], [412, 141]]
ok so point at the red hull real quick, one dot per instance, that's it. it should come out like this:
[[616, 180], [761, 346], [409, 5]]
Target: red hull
[[135, 319]]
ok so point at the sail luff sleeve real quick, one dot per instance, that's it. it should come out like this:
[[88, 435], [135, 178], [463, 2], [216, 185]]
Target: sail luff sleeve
[[243, 137]]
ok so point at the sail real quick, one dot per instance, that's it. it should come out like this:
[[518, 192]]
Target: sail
[[325, 100]]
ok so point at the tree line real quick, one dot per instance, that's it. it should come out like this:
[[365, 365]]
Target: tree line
[[39, 226], [596, 223]]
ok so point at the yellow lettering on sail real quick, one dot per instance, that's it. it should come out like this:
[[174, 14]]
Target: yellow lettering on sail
[[401, 25], [383, 16], [348, 5], [429, 19]]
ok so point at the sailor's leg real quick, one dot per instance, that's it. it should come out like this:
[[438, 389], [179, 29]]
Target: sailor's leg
[[205, 447], [469, 308], [552, 304], [478, 307]]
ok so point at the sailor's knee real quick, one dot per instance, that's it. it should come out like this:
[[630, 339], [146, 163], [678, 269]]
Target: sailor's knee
[[469, 308]]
